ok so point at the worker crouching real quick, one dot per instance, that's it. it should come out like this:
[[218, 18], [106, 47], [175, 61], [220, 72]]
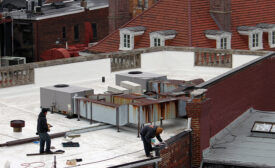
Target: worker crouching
[[147, 133]]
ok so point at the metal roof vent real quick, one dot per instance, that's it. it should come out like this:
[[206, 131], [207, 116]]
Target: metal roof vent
[[135, 72], [61, 85]]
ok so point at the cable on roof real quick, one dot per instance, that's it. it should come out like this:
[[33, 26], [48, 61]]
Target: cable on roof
[[89, 163], [32, 164]]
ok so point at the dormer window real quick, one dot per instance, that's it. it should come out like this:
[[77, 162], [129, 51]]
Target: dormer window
[[255, 36], [127, 37], [223, 39], [270, 29], [158, 38]]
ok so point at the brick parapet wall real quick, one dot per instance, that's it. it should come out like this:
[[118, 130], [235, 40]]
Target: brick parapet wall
[[193, 110], [175, 155]]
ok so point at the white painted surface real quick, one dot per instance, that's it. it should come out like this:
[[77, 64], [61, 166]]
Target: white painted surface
[[70, 73], [239, 60], [22, 102]]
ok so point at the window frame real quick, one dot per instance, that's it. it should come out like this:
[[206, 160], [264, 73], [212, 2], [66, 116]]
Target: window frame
[[219, 38], [271, 38], [256, 40], [131, 39]]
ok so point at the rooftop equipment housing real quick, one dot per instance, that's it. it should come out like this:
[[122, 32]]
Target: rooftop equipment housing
[[139, 77], [60, 98]]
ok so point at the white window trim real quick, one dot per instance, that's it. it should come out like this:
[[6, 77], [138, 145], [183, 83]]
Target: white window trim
[[132, 38], [218, 38], [270, 37], [250, 38], [161, 37]]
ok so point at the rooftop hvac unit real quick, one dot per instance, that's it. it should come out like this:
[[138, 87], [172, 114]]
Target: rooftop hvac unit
[[117, 89], [8, 61], [133, 87], [60, 98], [139, 77]]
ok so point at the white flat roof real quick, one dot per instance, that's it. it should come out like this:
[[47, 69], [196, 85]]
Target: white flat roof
[[23, 102]]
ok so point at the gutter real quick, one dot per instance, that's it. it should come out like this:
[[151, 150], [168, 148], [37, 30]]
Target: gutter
[[139, 163]]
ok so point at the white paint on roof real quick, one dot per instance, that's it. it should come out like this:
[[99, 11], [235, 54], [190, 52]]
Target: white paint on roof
[[23, 102]]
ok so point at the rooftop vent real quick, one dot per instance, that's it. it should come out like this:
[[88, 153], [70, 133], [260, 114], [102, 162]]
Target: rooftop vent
[[135, 72], [61, 85]]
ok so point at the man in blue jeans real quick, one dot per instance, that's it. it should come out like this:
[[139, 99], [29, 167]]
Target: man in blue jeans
[[42, 130], [147, 133]]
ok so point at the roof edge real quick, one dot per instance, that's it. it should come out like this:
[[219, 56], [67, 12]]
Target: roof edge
[[233, 71]]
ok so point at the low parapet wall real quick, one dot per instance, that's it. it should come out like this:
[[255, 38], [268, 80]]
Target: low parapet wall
[[121, 60]]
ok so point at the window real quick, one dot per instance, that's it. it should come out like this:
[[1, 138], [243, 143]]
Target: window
[[158, 38], [255, 40], [146, 4], [76, 32], [94, 27], [126, 41], [127, 37], [157, 42], [255, 35], [223, 39], [273, 37], [223, 43], [63, 32], [139, 3]]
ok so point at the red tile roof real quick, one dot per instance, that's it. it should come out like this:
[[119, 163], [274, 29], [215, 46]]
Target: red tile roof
[[190, 18]]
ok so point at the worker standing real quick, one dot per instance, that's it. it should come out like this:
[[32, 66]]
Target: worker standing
[[147, 133], [42, 130]]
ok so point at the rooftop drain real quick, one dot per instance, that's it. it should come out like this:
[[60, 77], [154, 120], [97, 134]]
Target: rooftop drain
[[61, 85], [135, 72], [17, 125]]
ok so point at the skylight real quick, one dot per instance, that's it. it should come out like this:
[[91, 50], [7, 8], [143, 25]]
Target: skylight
[[264, 127]]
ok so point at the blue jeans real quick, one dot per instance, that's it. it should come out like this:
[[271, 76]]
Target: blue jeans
[[44, 137]]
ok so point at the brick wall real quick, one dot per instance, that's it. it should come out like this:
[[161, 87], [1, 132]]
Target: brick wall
[[228, 98], [177, 154], [47, 31], [118, 13]]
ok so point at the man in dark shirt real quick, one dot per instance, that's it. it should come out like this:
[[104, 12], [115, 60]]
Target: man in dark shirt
[[147, 133], [42, 130]]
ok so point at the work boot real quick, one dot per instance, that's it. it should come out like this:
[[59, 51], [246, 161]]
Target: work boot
[[150, 155], [49, 152]]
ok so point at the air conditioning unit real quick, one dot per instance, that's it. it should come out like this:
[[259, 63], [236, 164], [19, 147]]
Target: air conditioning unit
[[9, 61], [133, 87], [60, 98], [117, 89]]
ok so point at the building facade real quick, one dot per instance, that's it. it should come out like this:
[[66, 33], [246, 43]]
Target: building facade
[[217, 24]]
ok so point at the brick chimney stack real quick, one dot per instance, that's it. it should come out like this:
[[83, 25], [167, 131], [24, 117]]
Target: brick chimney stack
[[118, 14], [220, 11]]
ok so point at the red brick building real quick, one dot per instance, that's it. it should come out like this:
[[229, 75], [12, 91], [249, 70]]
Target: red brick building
[[5, 36], [58, 23], [121, 11], [229, 24]]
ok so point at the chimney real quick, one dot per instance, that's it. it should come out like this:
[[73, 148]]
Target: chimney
[[220, 11]]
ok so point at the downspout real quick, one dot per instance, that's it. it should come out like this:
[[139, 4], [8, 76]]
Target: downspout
[[189, 24]]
